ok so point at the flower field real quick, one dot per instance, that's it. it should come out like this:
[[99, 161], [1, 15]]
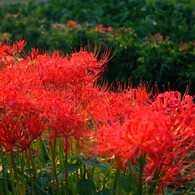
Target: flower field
[[62, 133], [95, 102]]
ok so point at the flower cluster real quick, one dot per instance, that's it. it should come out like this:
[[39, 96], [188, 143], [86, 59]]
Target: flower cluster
[[72, 23], [162, 128], [57, 97], [158, 37], [42, 94], [102, 29]]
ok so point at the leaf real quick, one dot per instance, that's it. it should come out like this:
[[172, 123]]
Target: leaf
[[75, 157], [142, 31], [127, 183], [28, 179], [72, 168], [86, 187], [104, 192], [43, 180], [95, 163]]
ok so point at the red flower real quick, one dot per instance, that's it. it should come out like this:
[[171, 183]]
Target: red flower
[[3, 48], [71, 23], [163, 130], [100, 28], [64, 122], [110, 29], [159, 37], [20, 122], [142, 133]]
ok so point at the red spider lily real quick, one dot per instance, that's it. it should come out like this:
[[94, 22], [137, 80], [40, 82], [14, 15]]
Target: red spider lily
[[63, 118], [3, 48], [9, 55], [163, 130], [157, 36], [178, 172], [19, 130], [50, 77], [5, 60], [71, 23], [18, 46], [142, 133], [181, 111], [16, 49], [57, 72], [125, 29], [111, 107], [65, 123], [20, 122], [100, 28], [32, 56], [71, 72], [110, 29]]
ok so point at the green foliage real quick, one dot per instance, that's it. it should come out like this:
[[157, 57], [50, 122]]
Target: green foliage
[[137, 57], [161, 61], [188, 77], [128, 184], [86, 186], [104, 192]]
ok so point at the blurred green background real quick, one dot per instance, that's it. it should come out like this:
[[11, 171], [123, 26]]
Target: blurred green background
[[186, 3], [154, 40]]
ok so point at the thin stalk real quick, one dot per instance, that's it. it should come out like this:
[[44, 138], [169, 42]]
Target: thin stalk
[[16, 174], [9, 160], [61, 154], [53, 157], [117, 182], [22, 172], [33, 165], [5, 184], [141, 164], [61, 159], [62, 186], [66, 174], [41, 163], [152, 188], [31, 180], [34, 169]]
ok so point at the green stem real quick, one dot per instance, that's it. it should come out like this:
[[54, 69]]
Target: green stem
[[31, 180], [9, 160], [117, 182], [61, 155], [141, 164], [34, 169], [22, 172], [66, 174], [41, 162], [153, 182], [61, 159], [16, 173], [4, 171], [33, 165], [53, 157]]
